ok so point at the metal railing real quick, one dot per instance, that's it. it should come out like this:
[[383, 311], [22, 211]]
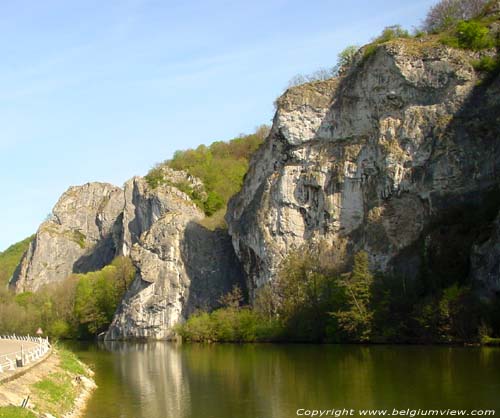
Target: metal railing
[[12, 361]]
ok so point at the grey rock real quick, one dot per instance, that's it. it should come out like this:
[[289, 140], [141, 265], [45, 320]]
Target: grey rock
[[370, 161], [78, 237], [182, 267]]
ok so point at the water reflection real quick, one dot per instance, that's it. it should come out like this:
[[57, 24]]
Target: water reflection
[[271, 381]]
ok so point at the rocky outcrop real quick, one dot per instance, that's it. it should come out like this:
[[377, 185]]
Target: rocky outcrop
[[77, 237], [181, 265], [386, 158]]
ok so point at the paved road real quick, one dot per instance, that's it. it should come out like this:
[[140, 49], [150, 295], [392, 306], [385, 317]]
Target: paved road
[[11, 346]]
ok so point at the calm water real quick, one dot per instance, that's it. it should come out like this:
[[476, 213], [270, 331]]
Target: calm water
[[164, 380]]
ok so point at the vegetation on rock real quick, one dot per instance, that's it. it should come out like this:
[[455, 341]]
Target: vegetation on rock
[[448, 13], [10, 258], [221, 167]]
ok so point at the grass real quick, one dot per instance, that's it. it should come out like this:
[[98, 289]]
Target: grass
[[70, 363], [490, 341], [15, 412], [54, 394]]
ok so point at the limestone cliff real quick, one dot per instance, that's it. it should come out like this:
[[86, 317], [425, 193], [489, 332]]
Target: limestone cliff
[[77, 237], [394, 157], [398, 157], [181, 265]]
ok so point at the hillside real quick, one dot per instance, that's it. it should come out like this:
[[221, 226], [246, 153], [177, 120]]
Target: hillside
[[10, 258], [220, 167]]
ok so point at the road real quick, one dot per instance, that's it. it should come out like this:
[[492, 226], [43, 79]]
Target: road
[[11, 346]]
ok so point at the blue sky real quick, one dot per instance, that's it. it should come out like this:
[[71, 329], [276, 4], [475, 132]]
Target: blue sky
[[102, 90]]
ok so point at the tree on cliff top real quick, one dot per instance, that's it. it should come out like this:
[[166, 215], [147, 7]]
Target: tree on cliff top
[[446, 13]]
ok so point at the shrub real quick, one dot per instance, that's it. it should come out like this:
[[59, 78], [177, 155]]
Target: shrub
[[392, 32], [473, 35], [487, 64], [389, 33]]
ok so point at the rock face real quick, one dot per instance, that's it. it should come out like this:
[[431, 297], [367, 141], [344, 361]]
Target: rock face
[[181, 265], [398, 157], [485, 262], [374, 160], [78, 237]]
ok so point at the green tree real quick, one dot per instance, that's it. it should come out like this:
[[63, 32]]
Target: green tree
[[356, 317]]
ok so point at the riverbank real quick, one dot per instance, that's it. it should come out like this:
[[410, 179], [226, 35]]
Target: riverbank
[[58, 387]]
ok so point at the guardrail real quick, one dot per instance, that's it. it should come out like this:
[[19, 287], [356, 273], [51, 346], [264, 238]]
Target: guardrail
[[12, 361]]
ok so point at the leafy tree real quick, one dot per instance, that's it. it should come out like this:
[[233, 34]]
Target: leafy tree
[[345, 58], [356, 317], [307, 289], [392, 32]]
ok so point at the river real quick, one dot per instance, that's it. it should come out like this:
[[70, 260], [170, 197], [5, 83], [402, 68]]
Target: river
[[165, 380]]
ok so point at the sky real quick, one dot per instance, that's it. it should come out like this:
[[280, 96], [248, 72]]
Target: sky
[[94, 90]]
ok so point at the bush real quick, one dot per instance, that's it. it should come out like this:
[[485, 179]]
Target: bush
[[392, 32], [389, 33], [473, 35], [229, 325], [487, 64]]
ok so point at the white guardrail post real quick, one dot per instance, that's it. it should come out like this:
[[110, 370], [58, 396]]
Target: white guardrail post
[[16, 359]]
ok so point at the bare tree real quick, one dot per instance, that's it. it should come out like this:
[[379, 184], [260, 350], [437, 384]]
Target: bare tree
[[448, 12]]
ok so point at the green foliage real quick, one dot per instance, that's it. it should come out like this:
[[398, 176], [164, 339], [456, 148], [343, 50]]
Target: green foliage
[[447, 13], [98, 294], [220, 166], [15, 412], [388, 34], [452, 315], [469, 35], [80, 307], [473, 35], [346, 56], [69, 362], [355, 317], [487, 64], [308, 288], [229, 325], [392, 32], [10, 258]]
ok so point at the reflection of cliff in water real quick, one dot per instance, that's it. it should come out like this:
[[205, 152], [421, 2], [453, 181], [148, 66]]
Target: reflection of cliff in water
[[165, 380], [154, 374]]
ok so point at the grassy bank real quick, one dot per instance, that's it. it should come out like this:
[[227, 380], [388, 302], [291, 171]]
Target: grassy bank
[[53, 387]]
